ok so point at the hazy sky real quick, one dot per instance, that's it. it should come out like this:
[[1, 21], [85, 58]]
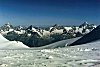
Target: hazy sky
[[45, 12]]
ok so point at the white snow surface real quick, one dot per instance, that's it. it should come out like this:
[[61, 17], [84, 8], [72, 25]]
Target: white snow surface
[[57, 31], [85, 55], [68, 28], [6, 44], [46, 33], [20, 32]]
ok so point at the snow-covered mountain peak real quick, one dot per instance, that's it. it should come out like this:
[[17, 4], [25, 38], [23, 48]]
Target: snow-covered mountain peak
[[85, 23], [8, 25]]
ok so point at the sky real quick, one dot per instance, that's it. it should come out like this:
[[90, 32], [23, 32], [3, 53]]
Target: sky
[[49, 12]]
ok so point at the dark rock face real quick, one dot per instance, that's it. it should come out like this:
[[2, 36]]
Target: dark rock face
[[92, 36]]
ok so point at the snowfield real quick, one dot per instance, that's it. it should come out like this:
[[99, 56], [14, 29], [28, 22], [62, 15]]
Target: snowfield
[[86, 55]]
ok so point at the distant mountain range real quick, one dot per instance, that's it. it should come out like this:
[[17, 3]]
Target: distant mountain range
[[40, 36], [55, 29]]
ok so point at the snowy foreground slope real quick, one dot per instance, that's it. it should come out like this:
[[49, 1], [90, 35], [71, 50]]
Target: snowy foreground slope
[[6, 44], [86, 55]]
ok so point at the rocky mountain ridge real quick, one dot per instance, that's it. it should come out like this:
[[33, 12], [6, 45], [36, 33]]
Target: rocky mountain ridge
[[34, 36]]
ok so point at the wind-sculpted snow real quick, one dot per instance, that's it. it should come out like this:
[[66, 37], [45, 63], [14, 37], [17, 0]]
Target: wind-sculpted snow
[[6, 44], [87, 55]]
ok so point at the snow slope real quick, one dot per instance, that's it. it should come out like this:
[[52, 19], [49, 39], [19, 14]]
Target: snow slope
[[58, 44], [87, 55], [2, 39], [90, 37], [6, 44]]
